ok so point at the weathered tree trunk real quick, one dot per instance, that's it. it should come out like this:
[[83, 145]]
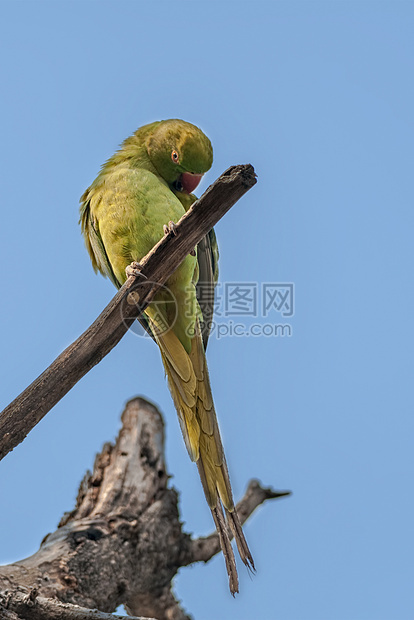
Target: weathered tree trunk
[[123, 542]]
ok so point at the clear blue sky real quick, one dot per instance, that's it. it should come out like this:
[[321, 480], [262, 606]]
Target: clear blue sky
[[319, 97]]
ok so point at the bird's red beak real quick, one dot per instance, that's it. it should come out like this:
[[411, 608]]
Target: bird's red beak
[[189, 181]]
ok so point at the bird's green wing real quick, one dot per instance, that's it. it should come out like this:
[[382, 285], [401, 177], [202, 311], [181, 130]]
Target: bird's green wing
[[207, 256], [96, 249], [93, 241]]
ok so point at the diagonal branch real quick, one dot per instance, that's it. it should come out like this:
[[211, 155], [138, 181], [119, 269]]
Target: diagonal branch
[[18, 418]]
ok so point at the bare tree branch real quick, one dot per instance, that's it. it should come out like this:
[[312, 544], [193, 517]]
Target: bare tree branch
[[203, 549], [22, 605], [123, 542], [18, 418]]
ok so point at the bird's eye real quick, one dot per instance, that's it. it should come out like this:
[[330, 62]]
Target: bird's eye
[[174, 157]]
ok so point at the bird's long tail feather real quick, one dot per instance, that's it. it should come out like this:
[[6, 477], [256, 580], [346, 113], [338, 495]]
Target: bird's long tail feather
[[190, 388]]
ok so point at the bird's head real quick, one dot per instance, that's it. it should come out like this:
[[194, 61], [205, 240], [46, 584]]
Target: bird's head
[[180, 152]]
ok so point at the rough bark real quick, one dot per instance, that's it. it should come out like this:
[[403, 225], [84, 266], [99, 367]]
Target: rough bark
[[18, 606], [122, 543], [18, 418]]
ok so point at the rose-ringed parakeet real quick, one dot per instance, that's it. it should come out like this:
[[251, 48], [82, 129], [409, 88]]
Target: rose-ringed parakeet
[[145, 185]]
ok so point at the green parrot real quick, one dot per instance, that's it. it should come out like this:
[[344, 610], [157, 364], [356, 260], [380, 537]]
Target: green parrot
[[145, 185]]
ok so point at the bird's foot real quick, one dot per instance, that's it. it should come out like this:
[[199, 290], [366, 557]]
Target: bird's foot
[[193, 252], [170, 228], [135, 269]]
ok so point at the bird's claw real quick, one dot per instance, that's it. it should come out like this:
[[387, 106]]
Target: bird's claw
[[193, 252], [170, 228], [135, 269]]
